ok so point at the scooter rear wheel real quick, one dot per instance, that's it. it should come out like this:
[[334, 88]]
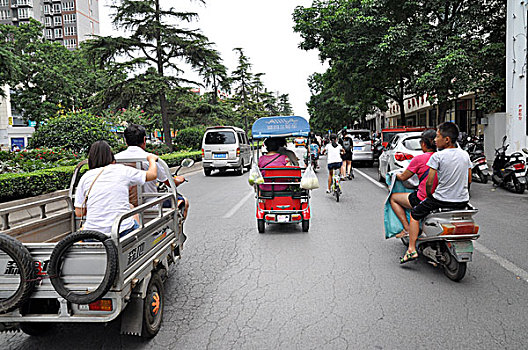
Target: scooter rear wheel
[[453, 269]]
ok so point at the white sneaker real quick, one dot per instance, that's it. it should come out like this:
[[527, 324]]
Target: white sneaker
[[327, 191]]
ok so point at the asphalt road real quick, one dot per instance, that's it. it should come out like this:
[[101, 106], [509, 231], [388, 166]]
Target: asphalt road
[[337, 287]]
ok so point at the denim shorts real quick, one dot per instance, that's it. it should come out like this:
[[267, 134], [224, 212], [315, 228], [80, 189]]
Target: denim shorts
[[128, 230], [336, 165]]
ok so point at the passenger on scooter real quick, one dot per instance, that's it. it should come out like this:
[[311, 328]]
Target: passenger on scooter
[[273, 159], [453, 167], [418, 165]]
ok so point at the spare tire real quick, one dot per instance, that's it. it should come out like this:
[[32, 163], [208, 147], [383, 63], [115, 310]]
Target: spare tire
[[26, 268], [56, 258]]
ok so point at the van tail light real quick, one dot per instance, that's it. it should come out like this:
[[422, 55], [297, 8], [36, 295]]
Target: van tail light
[[101, 305], [400, 156], [238, 152], [203, 153], [518, 166], [462, 228]]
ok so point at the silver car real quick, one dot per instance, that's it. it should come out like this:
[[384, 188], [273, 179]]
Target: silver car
[[362, 151], [401, 149]]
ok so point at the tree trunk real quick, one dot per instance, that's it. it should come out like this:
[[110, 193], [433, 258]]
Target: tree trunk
[[401, 103], [162, 97], [401, 100]]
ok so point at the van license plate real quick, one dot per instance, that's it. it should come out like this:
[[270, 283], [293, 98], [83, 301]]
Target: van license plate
[[283, 218], [358, 148], [219, 156], [463, 247]]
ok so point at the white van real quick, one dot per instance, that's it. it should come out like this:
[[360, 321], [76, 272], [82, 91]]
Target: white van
[[225, 147]]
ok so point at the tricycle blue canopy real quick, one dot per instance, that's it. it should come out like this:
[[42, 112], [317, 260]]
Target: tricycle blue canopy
[[283, 126]]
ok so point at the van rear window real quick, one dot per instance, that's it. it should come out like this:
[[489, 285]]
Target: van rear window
[[220, 138]]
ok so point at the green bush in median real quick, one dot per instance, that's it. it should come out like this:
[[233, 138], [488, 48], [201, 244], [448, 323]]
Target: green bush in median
[[190, 138]]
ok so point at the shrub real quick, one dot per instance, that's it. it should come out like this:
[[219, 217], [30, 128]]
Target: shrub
[[73, 131], [17, 186], [174, 159], [190, 138]]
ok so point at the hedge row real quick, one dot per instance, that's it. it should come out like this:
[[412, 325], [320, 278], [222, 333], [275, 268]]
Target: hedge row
[[23, 185]]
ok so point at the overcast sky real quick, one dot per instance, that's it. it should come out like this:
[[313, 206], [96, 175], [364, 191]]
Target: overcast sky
[[263, 28]]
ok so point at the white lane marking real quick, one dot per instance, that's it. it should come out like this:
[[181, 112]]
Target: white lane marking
[[508, 265], [504, 263], [377, 183], [239, 205]]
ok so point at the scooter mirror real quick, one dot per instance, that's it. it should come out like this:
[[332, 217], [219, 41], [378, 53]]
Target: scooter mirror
[[187, 163], [504, 139], [525, 150]]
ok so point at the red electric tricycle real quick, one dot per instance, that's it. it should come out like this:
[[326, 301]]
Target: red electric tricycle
[[281, 206]]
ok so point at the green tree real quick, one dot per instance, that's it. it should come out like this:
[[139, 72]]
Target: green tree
[[241, 78], [285, 107], [155, 43]]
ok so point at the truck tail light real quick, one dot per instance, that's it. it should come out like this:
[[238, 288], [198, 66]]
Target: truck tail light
[[101, 305]]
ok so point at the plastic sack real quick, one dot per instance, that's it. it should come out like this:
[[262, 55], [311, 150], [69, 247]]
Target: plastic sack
[[393, 225], [309, 179], [255, 176]]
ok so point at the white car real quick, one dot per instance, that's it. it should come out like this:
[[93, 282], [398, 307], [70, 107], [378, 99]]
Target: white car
[[401, 149]]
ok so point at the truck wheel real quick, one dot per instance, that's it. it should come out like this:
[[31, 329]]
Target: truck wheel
[[22, 264], [36, 329], [261, 225], [60, 251], [207, 172], [153, 307]]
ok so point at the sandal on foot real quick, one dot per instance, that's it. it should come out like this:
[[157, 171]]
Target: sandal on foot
[[409, 256], [402, 234]]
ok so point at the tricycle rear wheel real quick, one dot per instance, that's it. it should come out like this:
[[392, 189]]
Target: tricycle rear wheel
[[261, 225], [153, 307], [305, 225]]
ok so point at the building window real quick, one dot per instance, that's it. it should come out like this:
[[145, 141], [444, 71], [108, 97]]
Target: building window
[[69, 31], [47, 21], [49, 34], [68, 6], [70, 43], [58, 33], [25, 2], [56, 8], [57, 20], [46, 9], [24, 13], [4, 3], [4, 14], [70, 18]]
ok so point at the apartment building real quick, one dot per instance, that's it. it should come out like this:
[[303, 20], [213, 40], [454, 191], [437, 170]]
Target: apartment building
[[68, 22]]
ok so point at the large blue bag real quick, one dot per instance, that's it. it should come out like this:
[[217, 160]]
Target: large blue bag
[[393, 226]]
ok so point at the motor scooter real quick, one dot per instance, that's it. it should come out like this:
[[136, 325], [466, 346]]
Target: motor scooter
[[446, 239], [509, 171], [480, 169]]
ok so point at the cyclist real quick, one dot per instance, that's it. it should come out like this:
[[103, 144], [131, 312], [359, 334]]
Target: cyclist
[[334, 151]]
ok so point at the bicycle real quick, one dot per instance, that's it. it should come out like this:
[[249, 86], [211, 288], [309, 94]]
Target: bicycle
[[335, 189]]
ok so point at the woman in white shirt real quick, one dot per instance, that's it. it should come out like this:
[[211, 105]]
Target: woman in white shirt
[[334, 161], [102, 193]]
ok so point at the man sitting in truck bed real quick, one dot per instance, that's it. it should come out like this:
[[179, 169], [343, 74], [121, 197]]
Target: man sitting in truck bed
[[136, 140]]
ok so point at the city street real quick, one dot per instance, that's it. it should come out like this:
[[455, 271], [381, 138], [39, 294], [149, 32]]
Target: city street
[[339, 286]]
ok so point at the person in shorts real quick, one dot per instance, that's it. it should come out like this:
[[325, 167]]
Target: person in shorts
[[334, 162], [418, 165], [346, 169], [453, 167]]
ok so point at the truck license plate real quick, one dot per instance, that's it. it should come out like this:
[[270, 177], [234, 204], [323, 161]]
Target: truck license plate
[[283, 218], [463, 247], [219, 156]]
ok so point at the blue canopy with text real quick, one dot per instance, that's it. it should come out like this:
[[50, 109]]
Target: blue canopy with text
[[280, 127]]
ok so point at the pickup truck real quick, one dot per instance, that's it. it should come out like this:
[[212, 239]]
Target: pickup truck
[[53, 272]]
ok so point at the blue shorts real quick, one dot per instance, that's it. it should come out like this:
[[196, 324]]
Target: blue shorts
[[333, 166], [128, 230], [167, 203]]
